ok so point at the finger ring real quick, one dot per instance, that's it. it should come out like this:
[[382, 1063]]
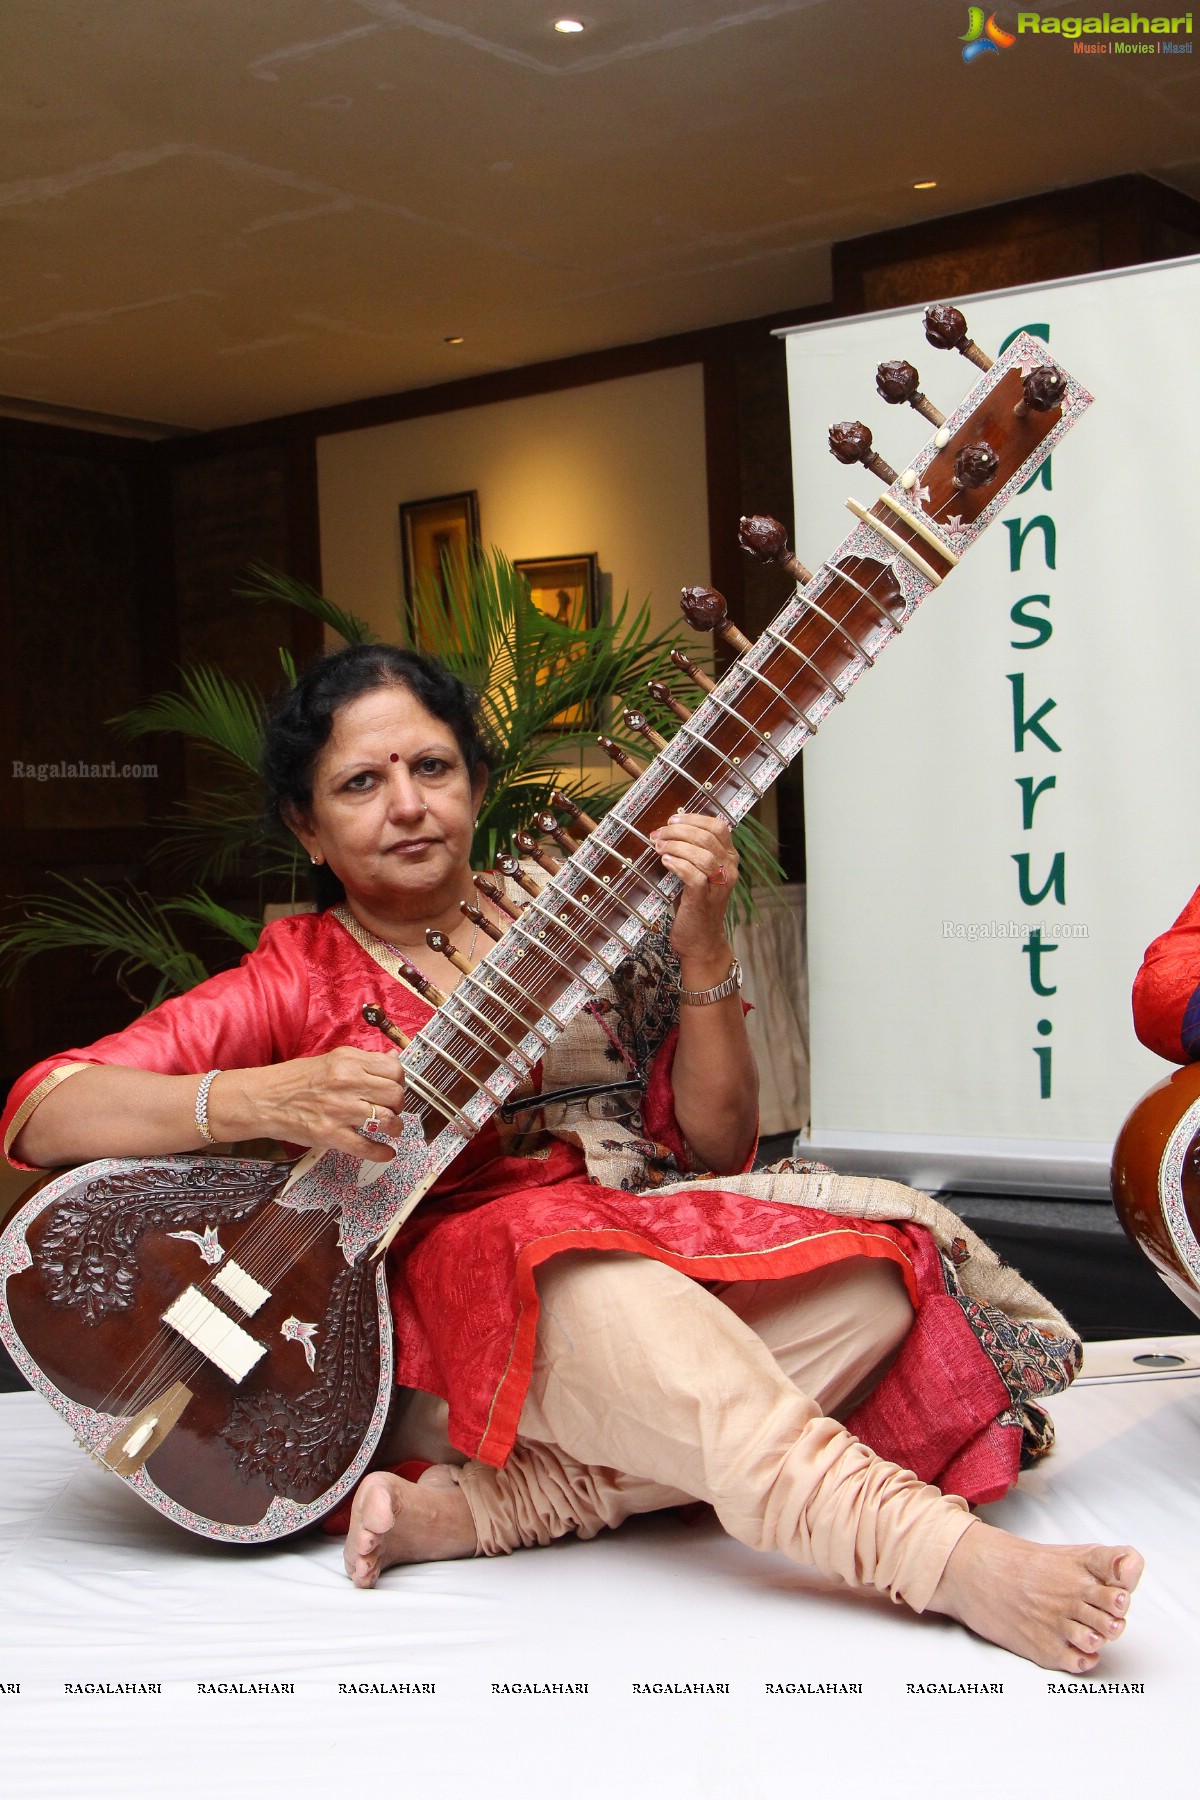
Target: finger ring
[[717, 879], [372, 1124]]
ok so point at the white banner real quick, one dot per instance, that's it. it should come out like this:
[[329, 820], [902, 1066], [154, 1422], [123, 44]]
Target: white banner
[[1006, 813]]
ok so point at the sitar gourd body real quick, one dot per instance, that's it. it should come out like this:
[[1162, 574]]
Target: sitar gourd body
[[219, 1337], [1156, 1181], [95, 1263]]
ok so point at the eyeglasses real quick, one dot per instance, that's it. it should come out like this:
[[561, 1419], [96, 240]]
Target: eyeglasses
[[612, 1100]]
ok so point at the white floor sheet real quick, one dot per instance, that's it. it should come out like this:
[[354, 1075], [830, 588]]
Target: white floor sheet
[[95, 1588]]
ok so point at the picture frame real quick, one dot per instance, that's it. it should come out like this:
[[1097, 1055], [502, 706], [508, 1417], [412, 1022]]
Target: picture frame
[[443, 528], [567, 589]]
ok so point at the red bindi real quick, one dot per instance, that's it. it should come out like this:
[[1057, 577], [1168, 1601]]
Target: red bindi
[[394, 757]]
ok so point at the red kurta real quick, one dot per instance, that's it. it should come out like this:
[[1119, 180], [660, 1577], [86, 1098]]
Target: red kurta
[[1166, 990], [463, 1291]]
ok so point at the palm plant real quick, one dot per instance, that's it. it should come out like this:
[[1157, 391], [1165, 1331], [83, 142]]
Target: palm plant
[[542, 687]]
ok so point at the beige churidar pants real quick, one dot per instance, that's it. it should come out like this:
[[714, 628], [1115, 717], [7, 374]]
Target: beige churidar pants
[[649, 1390]]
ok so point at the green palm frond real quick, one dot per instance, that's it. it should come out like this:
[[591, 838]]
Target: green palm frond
[[128, 927], [272, 584], [219, 834], [529, 669], [213, 709], [543, 686], [198, 905]]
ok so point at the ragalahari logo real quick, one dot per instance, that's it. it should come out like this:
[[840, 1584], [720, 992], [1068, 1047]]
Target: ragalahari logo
[[983, 35]]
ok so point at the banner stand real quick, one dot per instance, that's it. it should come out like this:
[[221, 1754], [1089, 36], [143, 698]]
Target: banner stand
[[1007, 811], [961, 1165]]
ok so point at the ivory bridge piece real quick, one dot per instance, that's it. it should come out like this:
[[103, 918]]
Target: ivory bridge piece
[[212, 1332], [241, 1288]]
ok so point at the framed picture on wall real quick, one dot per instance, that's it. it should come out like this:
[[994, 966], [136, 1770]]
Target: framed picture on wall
[[567, 590], [433, 534]]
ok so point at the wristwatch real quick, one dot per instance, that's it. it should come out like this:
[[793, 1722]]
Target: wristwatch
[[722, 991]]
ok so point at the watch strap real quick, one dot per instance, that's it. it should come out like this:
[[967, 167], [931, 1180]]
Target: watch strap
[[710, 996]]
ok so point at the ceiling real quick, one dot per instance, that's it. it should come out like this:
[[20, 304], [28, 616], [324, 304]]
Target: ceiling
[[213, 211]]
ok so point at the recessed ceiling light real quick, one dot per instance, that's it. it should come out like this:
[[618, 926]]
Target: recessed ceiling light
[[453, 340], [921, 185], [568, 26]]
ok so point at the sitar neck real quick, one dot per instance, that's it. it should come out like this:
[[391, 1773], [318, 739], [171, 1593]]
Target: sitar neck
[[596, 907]]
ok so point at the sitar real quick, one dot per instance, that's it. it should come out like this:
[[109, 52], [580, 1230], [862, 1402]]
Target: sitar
[[216, 1331]]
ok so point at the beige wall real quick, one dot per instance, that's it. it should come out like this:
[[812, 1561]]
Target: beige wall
[[617, 467]]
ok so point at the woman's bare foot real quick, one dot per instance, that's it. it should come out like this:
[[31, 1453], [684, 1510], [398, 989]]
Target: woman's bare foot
[[394, 1521], [1056, 1604]]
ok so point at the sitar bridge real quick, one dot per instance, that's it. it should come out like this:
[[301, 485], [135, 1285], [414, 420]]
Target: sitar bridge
[[212, 1332], [241, 1288]]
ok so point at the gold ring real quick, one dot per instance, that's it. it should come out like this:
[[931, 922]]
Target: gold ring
[[372, 1124]]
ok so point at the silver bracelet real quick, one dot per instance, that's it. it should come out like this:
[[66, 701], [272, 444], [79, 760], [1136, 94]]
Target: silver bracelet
[[722, 991], [206, 1082]]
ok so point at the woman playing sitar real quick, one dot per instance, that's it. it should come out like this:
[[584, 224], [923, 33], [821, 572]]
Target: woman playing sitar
[[598, 1310]]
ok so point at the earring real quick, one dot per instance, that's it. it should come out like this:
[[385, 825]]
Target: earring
[[316, 861]]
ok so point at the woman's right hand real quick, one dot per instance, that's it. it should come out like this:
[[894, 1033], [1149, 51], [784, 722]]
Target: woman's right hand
[[317, 1100]]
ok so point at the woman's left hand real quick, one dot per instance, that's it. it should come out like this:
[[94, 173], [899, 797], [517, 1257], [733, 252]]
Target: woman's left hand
[[699, 850]]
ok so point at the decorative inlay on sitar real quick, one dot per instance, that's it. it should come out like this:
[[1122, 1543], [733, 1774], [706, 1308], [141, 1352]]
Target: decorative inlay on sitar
[[89, 1248], [302, 1442], [168, 1335]]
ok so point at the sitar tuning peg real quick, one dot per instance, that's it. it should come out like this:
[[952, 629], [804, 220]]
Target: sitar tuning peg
[[695, 674], [639, 724], [491, 892], [480, 920], [898, 382], [548, 825], [1045, 388], [975, 466], [765, 539], [511, 867], [584, 820], [851, 442], [622, 758], [437, 940], [427, 989], [705, 609], [528, 845], [946, 329], [665, 697], [374, 1014]]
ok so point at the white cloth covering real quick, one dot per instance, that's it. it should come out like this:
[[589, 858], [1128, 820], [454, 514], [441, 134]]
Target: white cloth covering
[[95, 1587]]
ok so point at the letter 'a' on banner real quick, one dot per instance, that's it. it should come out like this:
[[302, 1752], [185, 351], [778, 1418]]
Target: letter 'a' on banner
[[1009, 810]]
